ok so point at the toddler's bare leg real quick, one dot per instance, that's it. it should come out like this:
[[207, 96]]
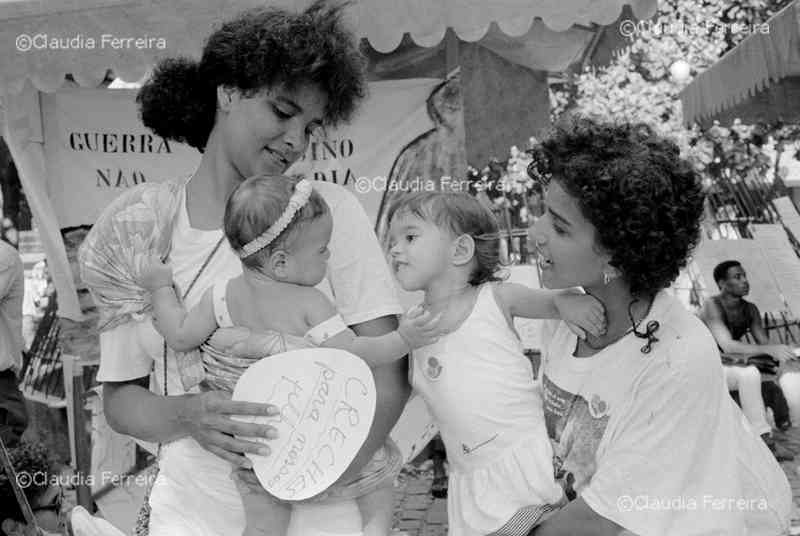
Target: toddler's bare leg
[[376, 509]]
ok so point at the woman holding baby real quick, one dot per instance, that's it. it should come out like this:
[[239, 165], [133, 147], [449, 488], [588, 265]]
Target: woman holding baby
[[267, 81], [639, 411]]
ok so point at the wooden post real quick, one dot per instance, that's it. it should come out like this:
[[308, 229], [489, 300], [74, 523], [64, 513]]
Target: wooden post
[[80, 447], [450, 51], [68, 364]]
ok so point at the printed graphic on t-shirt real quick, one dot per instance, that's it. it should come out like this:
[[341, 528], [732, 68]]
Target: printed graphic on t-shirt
[[575, 427]]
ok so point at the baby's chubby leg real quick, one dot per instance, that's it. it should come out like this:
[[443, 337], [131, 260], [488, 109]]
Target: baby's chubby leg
[[264, 515], [336, 518], [376, 509]]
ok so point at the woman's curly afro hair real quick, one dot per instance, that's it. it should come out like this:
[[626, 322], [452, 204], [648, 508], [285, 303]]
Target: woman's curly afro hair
[[261, 48], [645, 202]]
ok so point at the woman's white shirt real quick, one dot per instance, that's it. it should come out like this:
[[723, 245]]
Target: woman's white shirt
[[653, 441]]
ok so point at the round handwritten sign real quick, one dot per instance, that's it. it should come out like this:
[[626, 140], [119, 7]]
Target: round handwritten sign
[[327, 401]]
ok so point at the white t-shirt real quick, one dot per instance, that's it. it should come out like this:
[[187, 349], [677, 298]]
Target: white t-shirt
[[358, 281], [654, 441]]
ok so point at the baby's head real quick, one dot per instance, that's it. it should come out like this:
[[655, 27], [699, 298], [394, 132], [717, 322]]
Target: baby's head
[[439, 233], [254, 225]]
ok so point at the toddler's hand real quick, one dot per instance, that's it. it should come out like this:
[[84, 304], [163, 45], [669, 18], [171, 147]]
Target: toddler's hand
[[155, 274], [419, 328], [582, 312]]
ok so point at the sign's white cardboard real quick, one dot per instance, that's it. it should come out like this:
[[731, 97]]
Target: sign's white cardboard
[[327, 401]]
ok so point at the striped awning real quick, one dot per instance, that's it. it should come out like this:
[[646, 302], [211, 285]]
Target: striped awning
[[87, 37]]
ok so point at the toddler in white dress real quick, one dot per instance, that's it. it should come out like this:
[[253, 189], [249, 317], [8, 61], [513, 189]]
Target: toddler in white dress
[[475, 379]]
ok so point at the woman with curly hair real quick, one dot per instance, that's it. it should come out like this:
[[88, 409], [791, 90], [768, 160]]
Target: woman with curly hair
[[646, 437], [267, 81]]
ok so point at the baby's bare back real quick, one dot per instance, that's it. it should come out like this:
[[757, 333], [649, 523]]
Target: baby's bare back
[[267, 306]]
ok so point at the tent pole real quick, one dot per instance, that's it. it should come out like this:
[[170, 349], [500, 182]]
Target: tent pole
[[450, 51], [22, 133]]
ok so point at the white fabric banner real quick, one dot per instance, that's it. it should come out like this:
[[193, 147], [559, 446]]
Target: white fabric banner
[[96, 147]]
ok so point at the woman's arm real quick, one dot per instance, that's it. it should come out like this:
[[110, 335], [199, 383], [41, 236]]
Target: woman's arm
[[132, 409]]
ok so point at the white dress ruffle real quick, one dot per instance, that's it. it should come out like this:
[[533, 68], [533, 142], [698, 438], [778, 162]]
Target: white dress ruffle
[[504, 492], [479, 387]]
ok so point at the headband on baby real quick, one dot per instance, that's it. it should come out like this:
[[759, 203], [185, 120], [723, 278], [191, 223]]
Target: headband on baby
[[302, 191]]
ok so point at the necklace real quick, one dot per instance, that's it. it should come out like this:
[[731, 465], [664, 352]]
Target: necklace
[[649, 332], [609, 343]]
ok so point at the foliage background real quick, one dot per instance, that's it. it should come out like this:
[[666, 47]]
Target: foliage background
[[637, 86]]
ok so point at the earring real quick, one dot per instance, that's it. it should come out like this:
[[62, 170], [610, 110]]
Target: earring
[[226, 98], [609, 276]]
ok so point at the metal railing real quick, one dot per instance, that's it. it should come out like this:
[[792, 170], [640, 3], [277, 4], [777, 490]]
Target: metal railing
[[42, 372]]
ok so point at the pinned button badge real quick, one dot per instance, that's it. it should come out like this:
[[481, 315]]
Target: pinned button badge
[[433, 368]]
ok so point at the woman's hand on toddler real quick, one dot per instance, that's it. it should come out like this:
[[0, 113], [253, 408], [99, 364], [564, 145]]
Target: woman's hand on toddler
[[155, 274], [419, 327], [264, 514], [582, 313]]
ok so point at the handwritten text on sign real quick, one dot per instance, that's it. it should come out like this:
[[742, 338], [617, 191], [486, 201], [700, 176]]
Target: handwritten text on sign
[[327, 402]]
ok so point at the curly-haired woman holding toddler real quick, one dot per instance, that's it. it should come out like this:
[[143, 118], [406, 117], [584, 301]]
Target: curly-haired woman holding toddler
[[645, 435]]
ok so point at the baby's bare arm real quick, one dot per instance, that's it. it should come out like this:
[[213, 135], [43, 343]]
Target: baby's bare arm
[[183, 330]]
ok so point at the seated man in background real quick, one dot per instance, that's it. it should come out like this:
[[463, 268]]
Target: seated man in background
[[730, 317]]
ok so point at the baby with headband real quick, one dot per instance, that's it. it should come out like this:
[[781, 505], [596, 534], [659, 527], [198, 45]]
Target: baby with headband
[[280, 229]]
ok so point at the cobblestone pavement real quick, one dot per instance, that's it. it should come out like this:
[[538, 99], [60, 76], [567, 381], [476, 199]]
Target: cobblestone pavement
[[417, 513], [791, 440]]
